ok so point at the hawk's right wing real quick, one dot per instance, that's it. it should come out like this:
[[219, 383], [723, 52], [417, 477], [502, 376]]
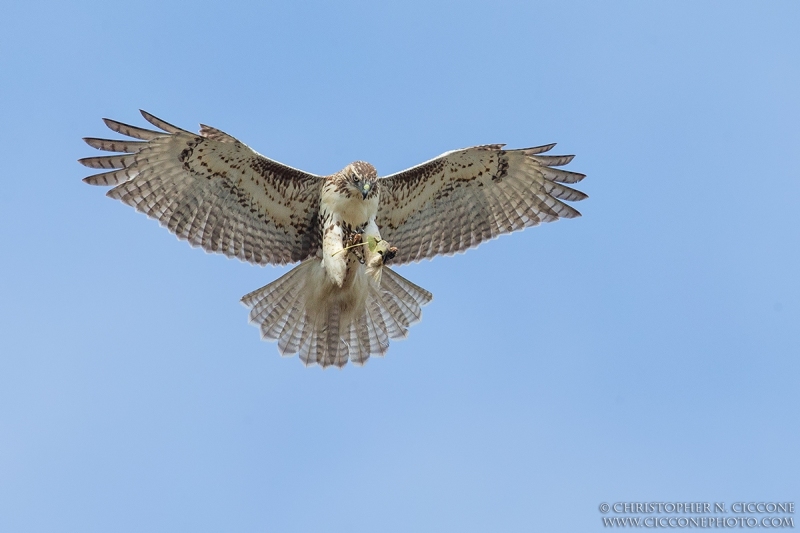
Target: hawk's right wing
[[464, 197], [212, 190]]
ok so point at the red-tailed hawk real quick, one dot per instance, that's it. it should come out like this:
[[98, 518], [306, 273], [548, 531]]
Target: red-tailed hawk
[[341, 302]]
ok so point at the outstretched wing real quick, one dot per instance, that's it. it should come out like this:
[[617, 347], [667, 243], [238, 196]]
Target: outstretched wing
[[212, 190], [464, 197]]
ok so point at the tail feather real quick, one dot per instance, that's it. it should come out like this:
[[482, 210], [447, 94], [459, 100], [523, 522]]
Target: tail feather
[[308, 350], [402, 317], [379, 334], [356, 343], [291, 321], [396, 325], [292, 332], [271, 305], [337, 352], [337, 327], [364, 334], [405, 298], [395, 283]]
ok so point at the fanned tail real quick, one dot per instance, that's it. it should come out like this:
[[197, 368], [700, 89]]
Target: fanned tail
[[328, 325]]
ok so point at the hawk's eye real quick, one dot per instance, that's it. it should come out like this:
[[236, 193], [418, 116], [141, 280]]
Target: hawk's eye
[[356, 180]]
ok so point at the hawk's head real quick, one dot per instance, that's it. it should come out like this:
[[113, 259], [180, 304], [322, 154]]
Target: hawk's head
[[359, 179]]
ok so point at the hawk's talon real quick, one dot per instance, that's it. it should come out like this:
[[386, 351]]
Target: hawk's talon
[[355, 239], [389, 254], [354, 244]]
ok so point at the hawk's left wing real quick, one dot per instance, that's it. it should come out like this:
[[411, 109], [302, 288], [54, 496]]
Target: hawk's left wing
[[463, 197], [212, 190]]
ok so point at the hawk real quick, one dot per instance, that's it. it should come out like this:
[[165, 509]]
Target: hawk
[[342, 302]]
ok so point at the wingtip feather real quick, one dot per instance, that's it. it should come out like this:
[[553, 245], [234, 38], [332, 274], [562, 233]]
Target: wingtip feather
[[131, 131], [161, 124], [533, 150], [96, 180], [85, 161]]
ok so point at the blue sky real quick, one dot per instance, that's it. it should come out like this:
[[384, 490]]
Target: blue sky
[[647, 351]]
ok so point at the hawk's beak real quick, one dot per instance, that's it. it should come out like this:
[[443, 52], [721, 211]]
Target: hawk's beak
[[365, 188]]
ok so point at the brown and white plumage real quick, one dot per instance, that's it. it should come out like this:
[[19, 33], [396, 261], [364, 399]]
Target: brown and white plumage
[[339, 303]]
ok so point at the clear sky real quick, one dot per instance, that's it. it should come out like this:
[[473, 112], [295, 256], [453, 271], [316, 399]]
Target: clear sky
[[646, 352]]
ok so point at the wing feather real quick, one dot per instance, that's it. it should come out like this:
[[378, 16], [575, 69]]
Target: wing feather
[[109, 145], [115, 177], [162, 124], [212, 190], [108, 161], [536, 149], [215, 134], [553, 160], [561, 176], [464, 197], [131, 131]]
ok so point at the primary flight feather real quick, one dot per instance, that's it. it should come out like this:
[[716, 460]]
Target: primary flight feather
[[341, 302]]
